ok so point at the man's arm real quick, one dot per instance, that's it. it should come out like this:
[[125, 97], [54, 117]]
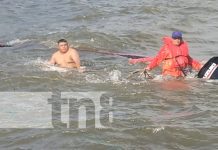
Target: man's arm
[[194, 63], [75, 57], [52, 60], [158, 58]]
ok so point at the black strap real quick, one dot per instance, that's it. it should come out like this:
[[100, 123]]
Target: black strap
[[178, 64], [181, 69]]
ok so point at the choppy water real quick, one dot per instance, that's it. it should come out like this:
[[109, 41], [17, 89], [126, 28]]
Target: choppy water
[[146, 114]]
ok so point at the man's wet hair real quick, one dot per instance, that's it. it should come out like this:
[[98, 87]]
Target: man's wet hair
[[62, 40]]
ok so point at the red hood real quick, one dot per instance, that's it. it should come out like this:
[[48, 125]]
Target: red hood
[[167, 40]]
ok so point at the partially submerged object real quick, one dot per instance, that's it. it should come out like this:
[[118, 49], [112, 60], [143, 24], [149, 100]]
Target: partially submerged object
[[209, 70]]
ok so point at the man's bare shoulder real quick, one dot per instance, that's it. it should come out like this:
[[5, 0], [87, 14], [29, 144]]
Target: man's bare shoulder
[[55, 54], [73, 50]]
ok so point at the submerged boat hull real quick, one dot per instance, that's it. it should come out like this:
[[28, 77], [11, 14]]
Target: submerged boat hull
[[210, 69]]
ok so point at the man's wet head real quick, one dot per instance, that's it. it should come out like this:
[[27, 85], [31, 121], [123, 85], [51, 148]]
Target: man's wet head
[[63, 45]]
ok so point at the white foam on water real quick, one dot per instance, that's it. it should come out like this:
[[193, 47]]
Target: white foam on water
[[52, 44], [93, 78], [54, 68], [158, 78], [115, 76], [211, 81], [158, 129], [45, 66], [49, 43], [17, 41], [190, 75]]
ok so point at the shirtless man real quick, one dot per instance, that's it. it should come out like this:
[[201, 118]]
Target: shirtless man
[[66, 57]]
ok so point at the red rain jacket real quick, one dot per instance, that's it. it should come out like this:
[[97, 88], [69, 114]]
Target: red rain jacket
[[174, 58]]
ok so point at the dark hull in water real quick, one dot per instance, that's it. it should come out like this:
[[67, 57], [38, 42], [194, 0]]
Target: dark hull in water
[[210, 69]]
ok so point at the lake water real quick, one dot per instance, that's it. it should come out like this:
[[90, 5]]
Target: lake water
[[145, 114]]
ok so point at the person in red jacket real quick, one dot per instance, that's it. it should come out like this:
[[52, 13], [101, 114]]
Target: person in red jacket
[[174, 56]]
